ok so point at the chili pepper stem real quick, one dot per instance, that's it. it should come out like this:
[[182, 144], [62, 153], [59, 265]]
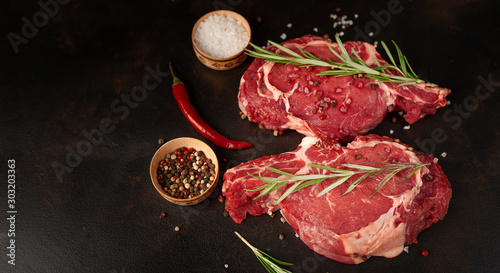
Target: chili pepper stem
[[174, 77]]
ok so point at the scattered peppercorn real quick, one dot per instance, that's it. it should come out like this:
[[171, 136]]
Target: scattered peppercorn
[[358, 156], [365, 258], [394, 119], [316, 83], [177, 228], [225, 213], [282, 220], [425, 253], [162, 214], [281, 236], [221, 199], [374, 86], [355, 255], [333, 103], [160, 141]]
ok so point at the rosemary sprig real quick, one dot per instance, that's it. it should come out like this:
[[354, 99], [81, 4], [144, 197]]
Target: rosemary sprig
[[265, 259], [341, 176], [348, 65]]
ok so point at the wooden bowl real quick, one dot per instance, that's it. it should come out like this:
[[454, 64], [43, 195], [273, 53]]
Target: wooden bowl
[[221, 63], [171, 146]]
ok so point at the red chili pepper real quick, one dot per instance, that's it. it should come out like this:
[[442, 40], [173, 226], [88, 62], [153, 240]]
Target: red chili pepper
[[201, 126]]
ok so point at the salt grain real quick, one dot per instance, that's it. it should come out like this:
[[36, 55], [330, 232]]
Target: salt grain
[[315, 29], [407, 127], [226, 265], [391, 132], [221, 36], [444, 154], [406, 249], [289, 25], [283, 36]]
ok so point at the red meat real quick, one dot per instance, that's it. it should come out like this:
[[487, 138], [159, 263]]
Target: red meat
[[281, 97], [353, 227]]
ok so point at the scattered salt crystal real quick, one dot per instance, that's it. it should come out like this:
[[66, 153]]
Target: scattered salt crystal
[[375, 43], [341, 33], [435, 160], [221, 36], [401, 113], [406, 249], [296, 235], [356, 16], [391, 132], [448, 102], [370, 34], [283, 36], [315, 29], [407, 127], [444, 154], [289, 25], [226, 265]]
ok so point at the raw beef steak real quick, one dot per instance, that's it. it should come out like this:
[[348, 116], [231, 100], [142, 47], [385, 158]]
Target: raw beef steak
[[281, 97], [353, 227]]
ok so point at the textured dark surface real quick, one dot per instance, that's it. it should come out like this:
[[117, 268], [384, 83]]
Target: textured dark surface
[[75, 74]]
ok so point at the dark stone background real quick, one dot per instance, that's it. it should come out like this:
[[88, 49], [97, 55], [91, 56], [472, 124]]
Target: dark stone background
[[74, 74]]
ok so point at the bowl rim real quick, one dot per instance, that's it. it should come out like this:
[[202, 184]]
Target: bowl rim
[[180, 142], [231, 13]]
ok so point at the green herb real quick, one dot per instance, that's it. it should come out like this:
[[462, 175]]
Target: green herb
[[348, 65], [265, 259], [341, 176]]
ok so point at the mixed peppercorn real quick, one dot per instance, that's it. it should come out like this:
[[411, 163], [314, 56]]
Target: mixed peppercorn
[[186, 173]]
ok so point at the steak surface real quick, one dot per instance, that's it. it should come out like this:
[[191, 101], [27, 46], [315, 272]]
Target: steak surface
[[353, 227], [280, 97]]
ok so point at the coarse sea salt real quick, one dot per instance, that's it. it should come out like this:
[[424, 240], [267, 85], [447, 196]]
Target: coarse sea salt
[[221, 36]]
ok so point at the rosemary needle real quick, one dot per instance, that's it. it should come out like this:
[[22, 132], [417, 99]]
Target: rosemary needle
[[350, 64], [341, 175], [265, 259]]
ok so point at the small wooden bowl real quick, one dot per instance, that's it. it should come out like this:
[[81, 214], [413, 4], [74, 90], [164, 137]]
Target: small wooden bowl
[[171, 146], [221, 63]]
